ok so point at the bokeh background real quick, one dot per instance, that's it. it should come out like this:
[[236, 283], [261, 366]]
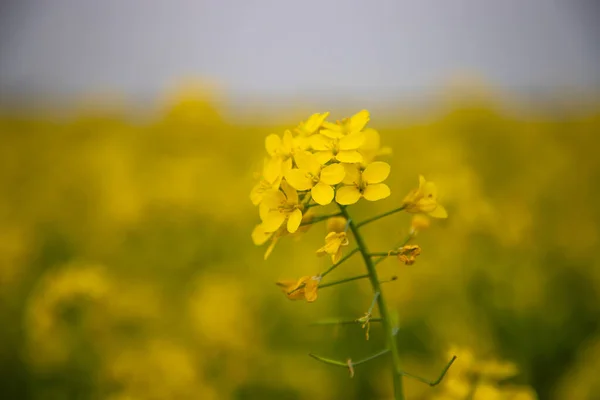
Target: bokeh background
[[130, 132]]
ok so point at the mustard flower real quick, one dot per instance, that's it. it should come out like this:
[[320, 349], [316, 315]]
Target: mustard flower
[[269, 181], [354, 124], [312, 124], [424, 200], [365, 184], [280, 206], [371, 148], [304, 288], [344, 149], [311, 175], [408, 254], [333, 245]]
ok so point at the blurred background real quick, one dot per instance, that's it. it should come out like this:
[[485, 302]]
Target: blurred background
[[130, 132]]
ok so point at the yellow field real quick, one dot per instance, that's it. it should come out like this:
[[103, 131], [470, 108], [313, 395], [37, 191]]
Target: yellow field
[[127, 270]]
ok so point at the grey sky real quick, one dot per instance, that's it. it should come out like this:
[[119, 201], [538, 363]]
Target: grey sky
[[299, 48]]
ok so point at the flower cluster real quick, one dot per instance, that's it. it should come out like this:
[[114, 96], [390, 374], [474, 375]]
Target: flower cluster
[[315, 164]]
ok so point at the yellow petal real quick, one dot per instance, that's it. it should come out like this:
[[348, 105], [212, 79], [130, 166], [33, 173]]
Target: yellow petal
[[272, 144], [272, 221], [376, 192], [333, 174], [287, 142], [314, 122], [271, 246], [422, 182], [358, 121], [372, 140], [299, 179], [320, 143], [257, 193], [272, 169], [332, 134], [259, 235], [352, 141], [429, 190], [349, 156], [323, 156], [322, 193], [439, 212], [291, 195], [308, 162], [347, 195], [376, 172], [337, 255], [352, 174], [294, 220], [272, 200]]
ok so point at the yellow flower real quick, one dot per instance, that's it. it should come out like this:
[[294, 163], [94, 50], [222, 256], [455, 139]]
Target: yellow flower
[[354, 124], [311, 125], [365, 184], [371, 148], [333, 245], [311, 175], [424, 200], [306, 287], [279, 206], [260, 235], [344, 149], [269, 181]]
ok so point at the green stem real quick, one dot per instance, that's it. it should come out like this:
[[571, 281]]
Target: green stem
[[334, 266], [375, 218], [352, 278], [438, 380], [349, 362], [388, 328]]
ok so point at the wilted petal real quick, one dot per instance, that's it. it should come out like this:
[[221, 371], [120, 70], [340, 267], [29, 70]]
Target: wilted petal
[[347, 195], [376, 172], [376, 192], [333, 174], [322, 193]]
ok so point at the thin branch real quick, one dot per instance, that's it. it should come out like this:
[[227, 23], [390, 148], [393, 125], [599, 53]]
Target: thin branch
[[438, 380], [346, 364], [375, 218], [353, 278], [334, 266]]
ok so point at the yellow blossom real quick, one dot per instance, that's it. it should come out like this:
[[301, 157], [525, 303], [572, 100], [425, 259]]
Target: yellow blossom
[[344, 149], [424, 200], [365, 184], [269, 181], [311, 175], [371, 147], [260, 235], [311, 125], [305, 288], [280, 206], [348, 126], [333, 245]]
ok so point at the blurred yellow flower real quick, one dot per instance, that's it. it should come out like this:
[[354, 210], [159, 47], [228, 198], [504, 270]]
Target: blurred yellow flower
[[311, 175], [365, 184], [305, 288], [280, 206], [333, 245], [424, 200]]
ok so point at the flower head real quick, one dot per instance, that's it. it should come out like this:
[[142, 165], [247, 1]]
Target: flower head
[[311, 175], [365, 184], [304, 288], [424, 200]]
